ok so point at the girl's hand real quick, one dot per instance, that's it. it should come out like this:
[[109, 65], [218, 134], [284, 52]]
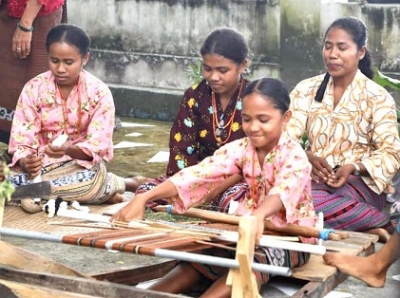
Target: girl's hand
[[321, 170], [340, 177], [133, 210], [31, 165]]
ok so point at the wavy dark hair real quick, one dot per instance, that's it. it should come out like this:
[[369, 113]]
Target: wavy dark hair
[[358, 31]]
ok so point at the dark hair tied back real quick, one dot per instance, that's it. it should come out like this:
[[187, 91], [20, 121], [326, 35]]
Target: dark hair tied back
[[227, 43], [358, 31], [272, 89], [70, 34]]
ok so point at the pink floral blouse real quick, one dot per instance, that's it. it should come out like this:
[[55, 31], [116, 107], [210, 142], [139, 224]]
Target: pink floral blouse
[[41, 116], [285, 172]]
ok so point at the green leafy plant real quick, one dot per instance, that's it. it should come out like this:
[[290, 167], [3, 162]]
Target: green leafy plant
[[386, 81], [195, 72], [6, 188]]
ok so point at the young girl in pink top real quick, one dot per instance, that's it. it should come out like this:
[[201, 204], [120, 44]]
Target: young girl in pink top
[[276, 169]]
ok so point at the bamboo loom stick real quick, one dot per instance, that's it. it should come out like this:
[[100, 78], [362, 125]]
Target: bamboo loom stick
[[290, 229], [231, 236], [158, 252]]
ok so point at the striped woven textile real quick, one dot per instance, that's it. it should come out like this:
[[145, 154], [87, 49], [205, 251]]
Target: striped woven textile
[[353, 207]]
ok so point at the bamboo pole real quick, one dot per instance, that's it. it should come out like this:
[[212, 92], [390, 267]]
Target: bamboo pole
[[290, 229]]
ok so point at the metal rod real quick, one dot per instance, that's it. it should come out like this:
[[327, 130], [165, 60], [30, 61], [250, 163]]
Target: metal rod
[[218, 261]]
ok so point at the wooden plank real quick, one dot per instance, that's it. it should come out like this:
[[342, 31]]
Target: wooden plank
[[79, 285], [316, 269], [9, 289], [18, 258]]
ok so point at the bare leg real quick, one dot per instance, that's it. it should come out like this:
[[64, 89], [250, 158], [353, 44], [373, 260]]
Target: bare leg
[[384, 234], [132, 184], [117, 198], [372, 269], [218, 289], [180, 279]]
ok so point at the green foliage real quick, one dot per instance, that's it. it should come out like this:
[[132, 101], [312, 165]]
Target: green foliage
[[6, 188], [304, 141], [195, 72], [386, 81]]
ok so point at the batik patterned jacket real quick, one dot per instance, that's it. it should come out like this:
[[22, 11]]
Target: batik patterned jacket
[[361, 128]]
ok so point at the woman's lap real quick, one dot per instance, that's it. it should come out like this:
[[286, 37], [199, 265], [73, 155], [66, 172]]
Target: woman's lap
[[72, 182], [352, 207]]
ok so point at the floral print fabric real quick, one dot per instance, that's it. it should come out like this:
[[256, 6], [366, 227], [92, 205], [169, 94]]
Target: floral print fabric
[[40, 117], [361, 128], [192, 135], [285, 172]]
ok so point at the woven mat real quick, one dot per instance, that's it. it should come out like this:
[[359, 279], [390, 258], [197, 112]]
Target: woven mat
[[16, 218]]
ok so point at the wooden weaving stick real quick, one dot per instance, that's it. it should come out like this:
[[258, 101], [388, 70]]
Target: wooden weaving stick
[[289, 229]]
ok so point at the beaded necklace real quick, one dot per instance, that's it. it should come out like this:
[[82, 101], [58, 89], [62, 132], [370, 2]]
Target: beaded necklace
[[220, 126], [64, 106]]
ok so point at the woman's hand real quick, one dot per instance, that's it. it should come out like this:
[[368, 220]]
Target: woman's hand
[[133, 210], [341, 176], [321, 170], [21, 43], [31, 165], [57, 151]]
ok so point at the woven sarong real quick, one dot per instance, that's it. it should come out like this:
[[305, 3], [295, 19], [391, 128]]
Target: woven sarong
[[353, 207], [16, 72], [73, 182], [234, 193]]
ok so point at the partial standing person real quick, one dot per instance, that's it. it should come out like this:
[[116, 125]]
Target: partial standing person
[[210, 113], [24, 26], [66, 101], [274, 166], [350, 122]]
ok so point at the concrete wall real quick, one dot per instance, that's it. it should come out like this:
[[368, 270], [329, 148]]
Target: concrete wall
[[143, 48]]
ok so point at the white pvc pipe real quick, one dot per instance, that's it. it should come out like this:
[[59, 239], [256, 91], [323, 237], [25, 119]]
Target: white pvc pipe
[[218, 261], [83, 215]]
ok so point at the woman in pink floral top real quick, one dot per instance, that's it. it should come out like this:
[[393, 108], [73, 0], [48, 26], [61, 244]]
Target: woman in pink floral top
[[276, 169], [66, 101]]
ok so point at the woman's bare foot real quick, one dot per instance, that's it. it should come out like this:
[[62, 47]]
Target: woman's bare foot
[[117, 198], [132, 183], [363, 268], [383, 234]]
